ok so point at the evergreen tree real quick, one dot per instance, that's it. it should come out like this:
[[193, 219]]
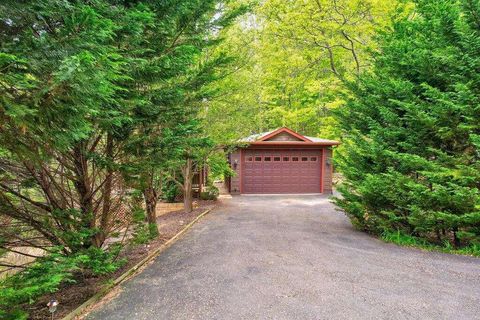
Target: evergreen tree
[[96, 97], [61, 119], [170, 70], [412, 128], [86, 90]]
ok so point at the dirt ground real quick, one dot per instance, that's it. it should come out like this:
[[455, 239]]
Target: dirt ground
[[70, 296]]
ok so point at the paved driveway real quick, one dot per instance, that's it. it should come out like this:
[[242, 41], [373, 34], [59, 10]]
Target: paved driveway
[[295, 258]]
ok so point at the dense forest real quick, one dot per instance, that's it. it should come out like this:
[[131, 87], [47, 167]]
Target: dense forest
[[109, 106]]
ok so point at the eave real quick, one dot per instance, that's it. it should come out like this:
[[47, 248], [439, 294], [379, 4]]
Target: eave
[[293, 143]]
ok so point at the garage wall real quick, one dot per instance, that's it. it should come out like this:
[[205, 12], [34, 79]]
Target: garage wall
[[282, 170], [327, 174], [235, 180], [327, 178]]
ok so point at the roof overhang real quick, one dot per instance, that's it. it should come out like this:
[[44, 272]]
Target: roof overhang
[[297, 140], [293, 143], [290, 132]]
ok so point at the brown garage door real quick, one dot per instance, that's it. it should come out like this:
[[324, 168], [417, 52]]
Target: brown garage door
[[281, 171]]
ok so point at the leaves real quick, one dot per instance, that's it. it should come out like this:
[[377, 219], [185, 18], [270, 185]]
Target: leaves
[[411, 125], [47, 273], [96, 98], [291, 58]]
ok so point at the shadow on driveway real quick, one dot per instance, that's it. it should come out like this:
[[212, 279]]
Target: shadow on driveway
[[295, 257]]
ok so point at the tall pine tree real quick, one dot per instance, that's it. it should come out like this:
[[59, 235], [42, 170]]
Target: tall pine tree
[[412, 128]]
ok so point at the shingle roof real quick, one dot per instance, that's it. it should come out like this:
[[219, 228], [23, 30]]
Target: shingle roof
[[256, 136], [315, 139]]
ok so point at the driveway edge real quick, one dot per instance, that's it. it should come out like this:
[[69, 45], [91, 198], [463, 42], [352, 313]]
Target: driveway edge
[[130, 272]]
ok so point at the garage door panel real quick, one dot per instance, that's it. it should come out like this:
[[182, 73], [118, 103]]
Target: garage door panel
[[286, 171]]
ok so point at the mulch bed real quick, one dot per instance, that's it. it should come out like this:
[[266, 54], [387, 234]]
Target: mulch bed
[[71, 296]]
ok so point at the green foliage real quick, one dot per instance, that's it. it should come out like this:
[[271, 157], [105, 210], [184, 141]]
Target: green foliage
[[141, 232], [410, 128], [211, 193], [64, 116], [99, 261], [291, 57], [411, 241], [171, 69], [97, 97], [170, 191], [46, 275], [153, 230], [218, 167]]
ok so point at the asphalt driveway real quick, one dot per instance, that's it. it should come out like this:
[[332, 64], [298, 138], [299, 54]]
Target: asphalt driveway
[[295, 257]]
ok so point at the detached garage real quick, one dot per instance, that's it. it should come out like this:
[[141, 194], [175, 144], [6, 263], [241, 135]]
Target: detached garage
[[282, 161]]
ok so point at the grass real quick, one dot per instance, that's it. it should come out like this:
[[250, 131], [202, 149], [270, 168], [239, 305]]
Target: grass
[[410, 241]]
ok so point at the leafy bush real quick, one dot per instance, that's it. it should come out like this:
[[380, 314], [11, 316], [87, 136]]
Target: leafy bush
[[46, 275], [141, 232], [218, 166], [170, 191], [211, 193]]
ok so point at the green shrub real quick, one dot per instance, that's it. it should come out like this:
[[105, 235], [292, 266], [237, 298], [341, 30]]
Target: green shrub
[[170, 191], [410, 130], [46, 275], [211, 193], [141, 232]]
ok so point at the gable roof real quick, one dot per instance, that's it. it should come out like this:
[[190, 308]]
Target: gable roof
[[287, 131], [263, 138]]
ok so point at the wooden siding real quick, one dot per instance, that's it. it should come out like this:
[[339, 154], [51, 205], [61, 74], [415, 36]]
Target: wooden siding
[[235, 180], [328, 174], [283, 136], [264, 165]]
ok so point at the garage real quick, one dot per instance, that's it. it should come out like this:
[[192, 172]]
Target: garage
[[281, 171], [282, 162]]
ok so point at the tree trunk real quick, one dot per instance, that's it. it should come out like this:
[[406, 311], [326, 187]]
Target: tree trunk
[[83, 186], [456, 241], [437, 233], [187, 186], [151, 200], [107, 196]]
